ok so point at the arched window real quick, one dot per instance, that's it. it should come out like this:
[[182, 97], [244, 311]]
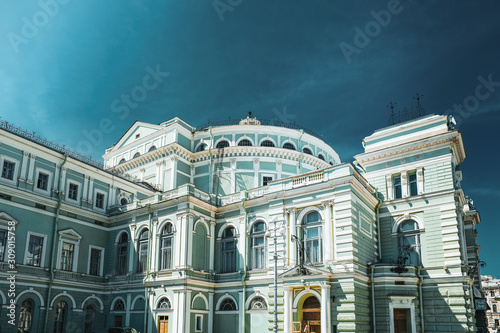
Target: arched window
[[122, 253], [137, 155], [245, 142], [152, 148], [409, 242], [258, 245], [119, 306], [25, 316], [267, 143], [313, 244], [122, 161], [227, 305], [60, 319], [222, 144], [288, 145], [143, 250], [307, 151], [202, 147], [321, 157], [258, 303], [164, 303], [166, 240], [228, 250], [89, 318]]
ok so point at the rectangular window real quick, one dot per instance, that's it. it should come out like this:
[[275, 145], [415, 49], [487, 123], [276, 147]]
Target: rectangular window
[[73, 191], [43, 181], [143, 256], [67, 253], [95, 262], [266, 180], [396, 183], [496, 323], [3, 243], [35, 247], [199, 323], [412, 184], [122, 259], [8, 170], [99, 200]]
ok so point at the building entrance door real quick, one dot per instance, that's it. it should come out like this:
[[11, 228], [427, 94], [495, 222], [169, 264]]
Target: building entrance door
[[311, 315], [401, 321], [162, 324]]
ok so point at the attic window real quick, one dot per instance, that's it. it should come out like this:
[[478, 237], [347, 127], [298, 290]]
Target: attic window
[[138, 135]]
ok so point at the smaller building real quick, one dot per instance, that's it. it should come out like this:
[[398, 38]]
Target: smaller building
[[491, 288]]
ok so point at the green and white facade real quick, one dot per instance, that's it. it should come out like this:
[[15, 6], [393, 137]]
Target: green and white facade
[[172, 234]]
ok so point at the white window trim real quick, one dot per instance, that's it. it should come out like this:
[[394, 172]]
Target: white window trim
[[3, 159], [49, 181], [195, 322], [262, 175], [101, 266], [44, 246], [104, 206], [78, 193], [402, 302], [68, 236]]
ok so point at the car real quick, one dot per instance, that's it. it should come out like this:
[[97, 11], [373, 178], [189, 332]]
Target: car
[[122, 330]]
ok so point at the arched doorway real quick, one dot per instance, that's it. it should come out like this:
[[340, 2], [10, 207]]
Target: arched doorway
[[311, 315]]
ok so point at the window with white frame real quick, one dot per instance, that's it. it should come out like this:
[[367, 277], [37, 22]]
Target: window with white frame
[[26, 316], [412, 183], [73, 191], [267, 143], [99, 200], [222, 144], [119, 305], [311, 233], [245, 143], [228, 250], [9, 170], [198, 323], [288, 145], [258, 303], [258, 245], [166, 242], [409, 242], [164, 303], [42, 182], [35, 250], [95, 260], [69, 243], [227, 305], [266, 179], [142, 245], [122, 254], [396, 187]]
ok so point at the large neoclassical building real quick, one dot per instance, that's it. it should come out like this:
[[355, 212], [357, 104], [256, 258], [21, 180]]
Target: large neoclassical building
[[180, 228]]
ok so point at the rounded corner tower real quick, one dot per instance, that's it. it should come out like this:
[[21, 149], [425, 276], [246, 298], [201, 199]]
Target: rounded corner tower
[[220, 158]]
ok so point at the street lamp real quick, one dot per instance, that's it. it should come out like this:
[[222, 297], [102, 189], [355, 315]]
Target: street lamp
[[274, 233]]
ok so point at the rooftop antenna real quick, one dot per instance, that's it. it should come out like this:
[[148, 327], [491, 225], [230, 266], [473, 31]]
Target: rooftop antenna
[[420, 109], [392, 117]]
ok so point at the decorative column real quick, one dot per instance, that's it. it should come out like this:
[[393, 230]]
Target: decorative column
[[131, 247], [85, 188], [293, 232], [420, 180], [155, 240], [242, 243], [325, 308], [31, 169], [128, 306], [158, 173], [173, 180], [55, 181], [191, 175], [22, 175], [181, 238], [141, 175], [112, 196], [388, 180], [63, 179], [233, 175], [287, 311], [279, 168], [176, 315], [210, 311], [212, 246], [404, 184], [190, 231], [90, 197], [256, 172], [328, 244], [241, 307], [187, 322]]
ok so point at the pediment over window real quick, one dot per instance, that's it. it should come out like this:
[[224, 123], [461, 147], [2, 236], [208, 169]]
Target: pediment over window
[[70, 234], [6, 218]]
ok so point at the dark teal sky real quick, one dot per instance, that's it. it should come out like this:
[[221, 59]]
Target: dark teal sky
[[65, 67]]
